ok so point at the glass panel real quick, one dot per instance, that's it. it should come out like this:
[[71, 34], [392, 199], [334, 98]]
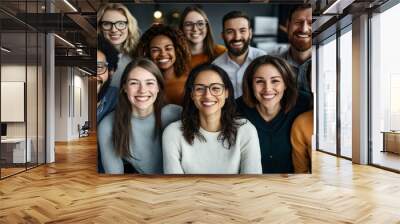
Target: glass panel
[[31, 97], [41, 99], [13, 86], [385, 84], [346, 94], [327, 97]]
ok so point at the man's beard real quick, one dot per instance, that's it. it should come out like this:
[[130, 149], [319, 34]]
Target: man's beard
[[300, 45], [237, 52]]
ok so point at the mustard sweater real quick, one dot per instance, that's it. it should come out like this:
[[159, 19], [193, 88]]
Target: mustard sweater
[[300, 137]]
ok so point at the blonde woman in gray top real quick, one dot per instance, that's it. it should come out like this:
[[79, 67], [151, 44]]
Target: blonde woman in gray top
[[210, 139]]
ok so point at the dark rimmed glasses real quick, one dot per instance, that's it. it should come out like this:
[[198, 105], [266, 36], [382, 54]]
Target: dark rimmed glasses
[[101, 67], [119, 25], [216, 89], [190, 25]]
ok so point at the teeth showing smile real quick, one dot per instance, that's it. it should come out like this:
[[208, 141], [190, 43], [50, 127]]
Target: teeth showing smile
[[302, 35], [163, 61], [142, 98], [268, 96], [237, 44], [208, 103]]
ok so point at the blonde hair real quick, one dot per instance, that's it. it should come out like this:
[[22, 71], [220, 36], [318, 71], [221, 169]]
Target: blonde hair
[[129, 45]]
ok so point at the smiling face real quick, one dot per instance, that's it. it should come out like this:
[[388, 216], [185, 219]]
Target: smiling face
[[237, 35], [209, 94], [269, 87], [114, 35], [102, 70], [141, 89], [299, 30], [195, 27], [162, 52]]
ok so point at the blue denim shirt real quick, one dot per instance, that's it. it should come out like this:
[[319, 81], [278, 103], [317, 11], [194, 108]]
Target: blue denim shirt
[[107, 103]]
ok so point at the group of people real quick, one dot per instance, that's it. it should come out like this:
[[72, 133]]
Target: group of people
[[172, 101]]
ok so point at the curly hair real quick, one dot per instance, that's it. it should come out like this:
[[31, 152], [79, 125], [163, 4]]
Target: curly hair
[[122, 127], [289, 98], [182, 50], [208, 46], [190, 114], [129, 46]]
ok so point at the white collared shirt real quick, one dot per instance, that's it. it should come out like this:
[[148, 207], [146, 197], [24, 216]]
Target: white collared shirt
[[235, 71]]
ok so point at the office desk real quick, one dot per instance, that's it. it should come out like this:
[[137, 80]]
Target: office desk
[[391, 141], [13, 150]]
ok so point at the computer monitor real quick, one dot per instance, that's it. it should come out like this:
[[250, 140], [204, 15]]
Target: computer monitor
[[3, 129]]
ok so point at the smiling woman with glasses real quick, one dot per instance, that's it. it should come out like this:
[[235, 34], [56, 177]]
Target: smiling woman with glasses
[[210, 138], [197, 29], [117, 25]]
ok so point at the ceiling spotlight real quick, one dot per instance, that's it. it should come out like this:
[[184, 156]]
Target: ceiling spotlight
[[157, 14]]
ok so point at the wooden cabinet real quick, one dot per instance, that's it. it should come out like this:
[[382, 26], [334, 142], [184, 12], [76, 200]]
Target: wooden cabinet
[[391, 141]]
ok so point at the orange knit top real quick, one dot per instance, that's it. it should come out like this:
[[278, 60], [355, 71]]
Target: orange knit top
[[300, 136], [174, 88], [203, 58]]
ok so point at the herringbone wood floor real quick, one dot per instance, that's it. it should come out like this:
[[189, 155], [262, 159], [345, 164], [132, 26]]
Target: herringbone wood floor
[[70, 191]]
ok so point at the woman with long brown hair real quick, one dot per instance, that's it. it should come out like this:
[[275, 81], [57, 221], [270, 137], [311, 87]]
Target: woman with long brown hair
[[133, 131], [210, 138], [197, 29]]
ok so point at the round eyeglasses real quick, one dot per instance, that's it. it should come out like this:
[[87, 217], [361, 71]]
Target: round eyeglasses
[[119, 25], [216, 89], [101, 67], [190, 25]]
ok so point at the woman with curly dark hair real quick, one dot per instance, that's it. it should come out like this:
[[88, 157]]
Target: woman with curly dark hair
[[167, 47], [210, 138], [271, 102]]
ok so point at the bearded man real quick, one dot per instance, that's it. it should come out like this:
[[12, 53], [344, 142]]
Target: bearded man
[[237, 34], [300, 38]]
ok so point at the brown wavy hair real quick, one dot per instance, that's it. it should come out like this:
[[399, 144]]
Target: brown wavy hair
[[208, 42], [182, 50], [289, 98], [190, 113], [122, 127]]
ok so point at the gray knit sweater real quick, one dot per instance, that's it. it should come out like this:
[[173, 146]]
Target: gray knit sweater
[[211, 157], [146, 150]]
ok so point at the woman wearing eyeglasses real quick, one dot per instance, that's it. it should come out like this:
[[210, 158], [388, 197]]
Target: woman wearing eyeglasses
[[197, 29], [168, 49], [116, 24], [210, 139], [133, 131], [271, 102]]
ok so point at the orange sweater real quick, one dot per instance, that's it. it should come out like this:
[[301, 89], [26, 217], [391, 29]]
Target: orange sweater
[[174, 88], [300, 136], [203, 58]]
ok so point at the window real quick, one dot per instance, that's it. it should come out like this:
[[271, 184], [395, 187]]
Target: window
[[346, 74], [385, 89], [326, 94]]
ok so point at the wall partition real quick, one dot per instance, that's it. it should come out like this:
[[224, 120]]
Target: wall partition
[[22, 87]]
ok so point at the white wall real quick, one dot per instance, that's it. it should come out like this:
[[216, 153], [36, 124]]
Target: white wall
[[71, 102]]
